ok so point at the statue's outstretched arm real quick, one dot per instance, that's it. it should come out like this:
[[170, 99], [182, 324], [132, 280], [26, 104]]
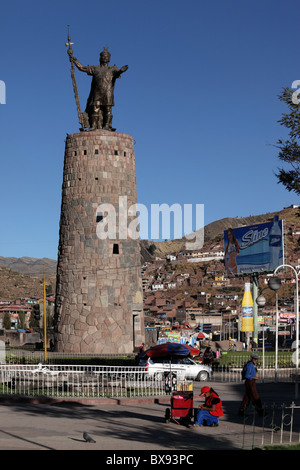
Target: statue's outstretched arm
[[122, 70], [80, 67]]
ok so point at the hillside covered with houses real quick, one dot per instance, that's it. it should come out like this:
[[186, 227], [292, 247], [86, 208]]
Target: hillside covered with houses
[[190, 289]]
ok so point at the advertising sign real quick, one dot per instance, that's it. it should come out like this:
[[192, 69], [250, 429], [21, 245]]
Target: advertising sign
[[264, 318], [253, 249], [247, 310], [172, 337], [288, 317]]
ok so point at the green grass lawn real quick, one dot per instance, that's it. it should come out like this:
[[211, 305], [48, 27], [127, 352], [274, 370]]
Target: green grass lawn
[[292, 447], [238, 358]]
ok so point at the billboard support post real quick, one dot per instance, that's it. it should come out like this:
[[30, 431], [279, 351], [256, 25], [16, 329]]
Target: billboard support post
[[255, 306]]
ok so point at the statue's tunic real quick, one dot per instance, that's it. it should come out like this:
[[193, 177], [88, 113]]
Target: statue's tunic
[[103, 84]]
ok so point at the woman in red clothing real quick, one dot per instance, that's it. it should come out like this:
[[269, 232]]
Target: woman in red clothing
[[211, 410]]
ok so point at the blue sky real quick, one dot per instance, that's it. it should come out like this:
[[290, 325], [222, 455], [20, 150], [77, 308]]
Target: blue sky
[[200, 98]]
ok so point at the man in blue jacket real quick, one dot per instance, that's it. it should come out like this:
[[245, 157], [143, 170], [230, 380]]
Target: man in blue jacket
[[251, 394]]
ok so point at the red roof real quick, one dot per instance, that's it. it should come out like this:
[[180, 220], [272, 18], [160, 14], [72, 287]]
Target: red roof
[[18, 308]]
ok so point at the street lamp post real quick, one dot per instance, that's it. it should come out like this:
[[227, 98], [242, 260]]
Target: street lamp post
[[261, 302], [297, 322], [273, 284], [276, 336], [255, 312]]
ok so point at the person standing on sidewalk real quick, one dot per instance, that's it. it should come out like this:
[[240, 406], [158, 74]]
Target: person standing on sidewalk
[[249, 374]]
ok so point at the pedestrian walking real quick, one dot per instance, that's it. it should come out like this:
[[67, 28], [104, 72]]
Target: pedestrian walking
[[208, 356], [249, 374], [211, 411]]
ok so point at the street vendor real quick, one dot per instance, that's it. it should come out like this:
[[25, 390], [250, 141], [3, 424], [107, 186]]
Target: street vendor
[[211, 411]]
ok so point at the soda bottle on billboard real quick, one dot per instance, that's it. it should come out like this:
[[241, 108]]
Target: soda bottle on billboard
[[275, 242], [247, 309]]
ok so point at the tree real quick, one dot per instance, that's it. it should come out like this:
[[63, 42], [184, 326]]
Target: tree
[[21, 323], [7, 321], [289, 150], [49, 317], [48, 289], [34, 316], [152, 249]]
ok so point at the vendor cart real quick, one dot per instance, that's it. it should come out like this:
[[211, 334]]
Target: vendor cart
[[182, 407]]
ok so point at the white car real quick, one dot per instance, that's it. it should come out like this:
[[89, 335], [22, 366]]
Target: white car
[[185, 367]]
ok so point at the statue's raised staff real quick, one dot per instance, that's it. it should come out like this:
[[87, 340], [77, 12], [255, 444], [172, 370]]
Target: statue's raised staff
[[98, 112]]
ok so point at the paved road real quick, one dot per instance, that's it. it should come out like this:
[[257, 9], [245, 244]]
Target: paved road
[[130, 425]]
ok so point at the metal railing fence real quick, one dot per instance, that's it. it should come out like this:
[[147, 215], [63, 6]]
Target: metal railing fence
[[268, 374], [279, 426], [229, 368], [78, 381]]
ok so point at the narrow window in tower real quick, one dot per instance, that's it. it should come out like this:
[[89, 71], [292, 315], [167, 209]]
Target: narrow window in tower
[[99, 217], [124, 154], [116, 152], [96, 151], [115, 249], [84, 152]]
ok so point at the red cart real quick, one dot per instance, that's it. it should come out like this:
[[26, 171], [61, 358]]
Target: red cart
[[182, 406]]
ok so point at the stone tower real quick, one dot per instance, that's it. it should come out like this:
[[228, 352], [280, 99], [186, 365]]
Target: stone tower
[[99, 303]]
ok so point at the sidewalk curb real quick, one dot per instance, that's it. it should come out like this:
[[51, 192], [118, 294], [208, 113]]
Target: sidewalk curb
[[85, 401]]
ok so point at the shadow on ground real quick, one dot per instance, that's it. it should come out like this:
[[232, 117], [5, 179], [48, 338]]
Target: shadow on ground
[[119, 426]]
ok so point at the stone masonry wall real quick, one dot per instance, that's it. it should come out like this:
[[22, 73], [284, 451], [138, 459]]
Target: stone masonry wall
[[99, 303]]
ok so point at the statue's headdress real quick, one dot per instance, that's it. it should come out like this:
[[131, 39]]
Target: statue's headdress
[[105, 53]]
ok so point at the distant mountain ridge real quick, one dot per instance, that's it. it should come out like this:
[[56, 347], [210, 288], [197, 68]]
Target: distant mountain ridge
[[30, 266], [217, 228]]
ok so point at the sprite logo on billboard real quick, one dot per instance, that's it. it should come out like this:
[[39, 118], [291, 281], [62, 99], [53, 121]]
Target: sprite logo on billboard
[[255, 248]]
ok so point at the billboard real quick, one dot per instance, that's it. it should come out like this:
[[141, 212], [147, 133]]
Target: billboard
[[255, 248], [172, 337]]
